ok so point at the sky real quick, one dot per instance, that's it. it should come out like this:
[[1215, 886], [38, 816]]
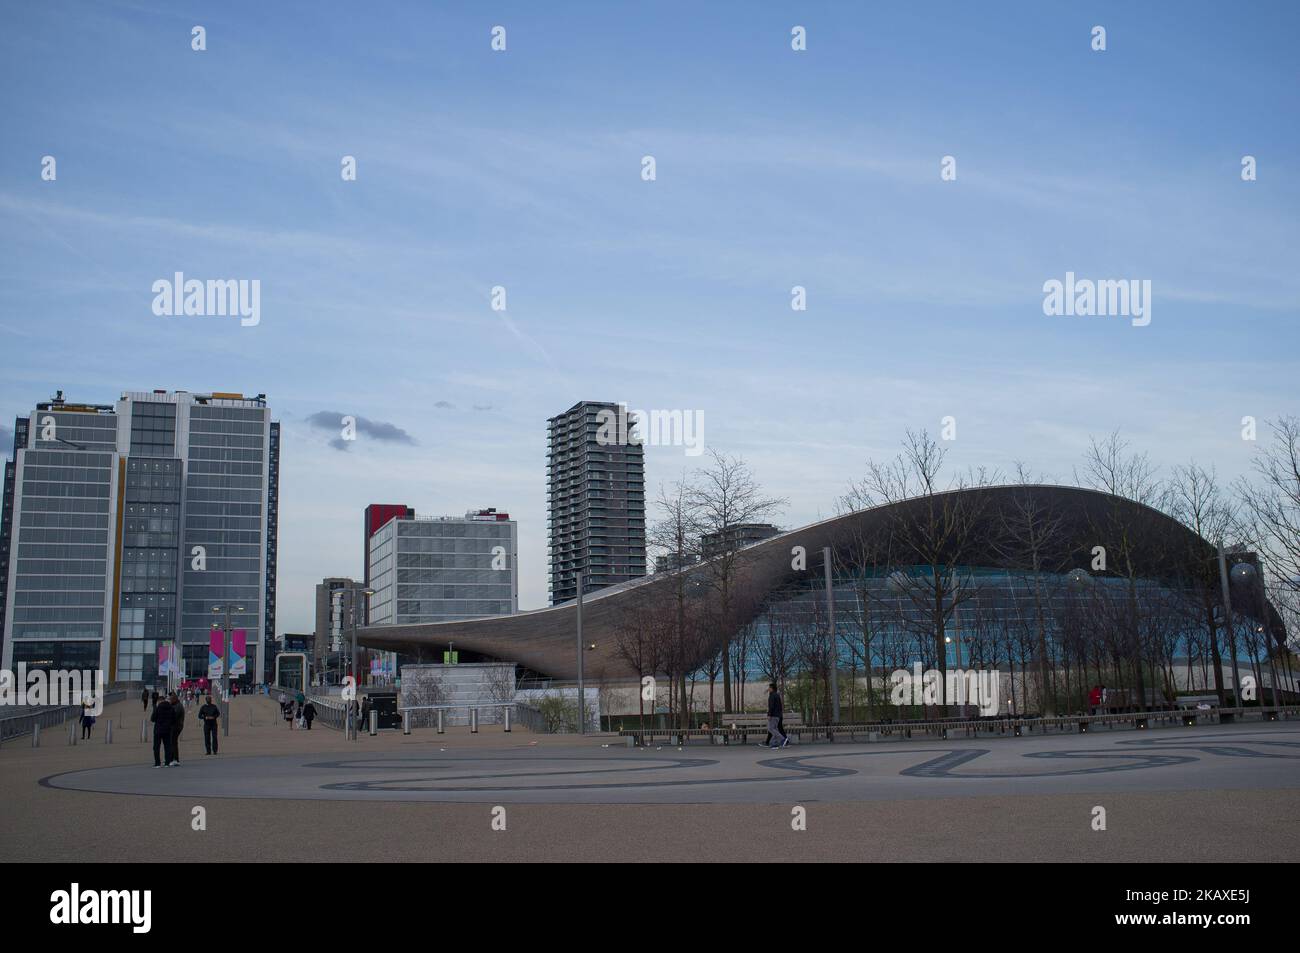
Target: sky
[[774, 168]]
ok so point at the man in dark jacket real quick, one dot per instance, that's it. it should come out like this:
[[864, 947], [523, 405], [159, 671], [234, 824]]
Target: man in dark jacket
[[308, 713], [775, 711], [209, 714], [162, 733], [178, 725], [144, 699]]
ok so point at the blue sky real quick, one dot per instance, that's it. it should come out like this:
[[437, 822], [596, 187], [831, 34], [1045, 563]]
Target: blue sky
[[774, 169]]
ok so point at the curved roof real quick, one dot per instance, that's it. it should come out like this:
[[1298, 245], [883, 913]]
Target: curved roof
[[545, 640]]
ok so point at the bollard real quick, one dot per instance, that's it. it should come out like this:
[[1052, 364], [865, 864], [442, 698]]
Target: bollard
[[374, 722], [406, 722], [72, 733], [36, 735], [440, 725], [108, 733], [508, 712], [144, 730], [473, 721]]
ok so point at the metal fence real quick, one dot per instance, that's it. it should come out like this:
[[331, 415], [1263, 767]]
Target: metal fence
[[977, 728], [23, 724]]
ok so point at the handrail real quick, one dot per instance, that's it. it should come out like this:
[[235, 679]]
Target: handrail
[[971, 728], [20, 725]]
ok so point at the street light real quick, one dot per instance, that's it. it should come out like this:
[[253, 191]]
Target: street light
[[356, 679], [1232, 633], [225, 665], [582, 696]]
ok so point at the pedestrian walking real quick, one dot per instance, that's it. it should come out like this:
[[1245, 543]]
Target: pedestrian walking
[[87, 720], [153, 699], [162, 734], [775, 715], [209, 715], [308, 713], [178, 725], [144, 699]]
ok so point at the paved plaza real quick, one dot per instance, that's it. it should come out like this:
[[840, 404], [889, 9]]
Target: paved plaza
[[1209, 792]]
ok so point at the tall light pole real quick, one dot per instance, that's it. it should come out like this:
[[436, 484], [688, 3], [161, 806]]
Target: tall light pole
[[582, 695], [225, 665], [356, 677], [830, 615], [1227, 620]]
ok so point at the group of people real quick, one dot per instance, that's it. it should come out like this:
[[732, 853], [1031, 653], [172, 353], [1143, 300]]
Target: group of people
[[169, 721], [297, 711]]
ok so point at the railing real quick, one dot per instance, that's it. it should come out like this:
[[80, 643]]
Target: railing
[[437, 715], [20, 725], [1009, 726]]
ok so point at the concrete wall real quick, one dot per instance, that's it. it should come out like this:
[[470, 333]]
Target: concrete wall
[[464, 686]]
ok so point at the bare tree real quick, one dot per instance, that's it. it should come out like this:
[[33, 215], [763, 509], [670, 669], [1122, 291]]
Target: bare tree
[[1198, 502], [724, 496], [934, 525], [1031, 540]]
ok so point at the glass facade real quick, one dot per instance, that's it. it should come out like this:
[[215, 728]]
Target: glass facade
[[104, 508], [61, 580], [150, 564], [225, 514], [439, 570]]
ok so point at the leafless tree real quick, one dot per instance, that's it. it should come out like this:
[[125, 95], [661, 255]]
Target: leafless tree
[[723, 496], [934, 524]]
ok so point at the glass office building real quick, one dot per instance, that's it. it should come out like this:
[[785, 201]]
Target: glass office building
[[440, 569], [126, 524]]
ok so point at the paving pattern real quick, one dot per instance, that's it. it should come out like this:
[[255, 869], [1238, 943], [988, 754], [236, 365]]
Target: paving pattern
[[1242, 757]]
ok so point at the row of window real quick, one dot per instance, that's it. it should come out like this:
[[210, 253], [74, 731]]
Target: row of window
[[62, 567], [42, 505], [58, 615]]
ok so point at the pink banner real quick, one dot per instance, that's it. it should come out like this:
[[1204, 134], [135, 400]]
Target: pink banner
[[216, 653]]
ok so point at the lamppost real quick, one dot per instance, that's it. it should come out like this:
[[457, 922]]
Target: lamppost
[[830, 615], [225, 665], [582, 695], [1232, 633], [356, 677], [1245, 573]]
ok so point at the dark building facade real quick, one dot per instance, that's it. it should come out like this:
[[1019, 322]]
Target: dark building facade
[[596, 499]]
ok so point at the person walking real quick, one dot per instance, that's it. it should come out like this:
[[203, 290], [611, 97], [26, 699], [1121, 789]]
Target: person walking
[[308, 713], [153, 699], [144, 699], [87, 720], [209, 714], [178, 725], [162, 734], [775, 714]]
